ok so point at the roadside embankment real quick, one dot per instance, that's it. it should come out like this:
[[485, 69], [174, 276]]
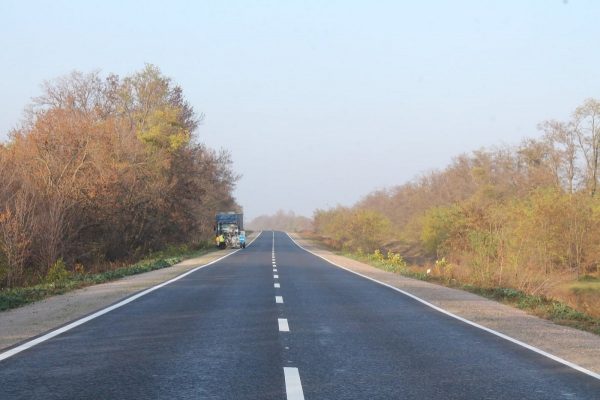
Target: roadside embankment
[[578, 347]]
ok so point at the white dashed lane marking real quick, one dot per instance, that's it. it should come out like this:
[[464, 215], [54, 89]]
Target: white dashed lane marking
[[293, 386], [283, 325]]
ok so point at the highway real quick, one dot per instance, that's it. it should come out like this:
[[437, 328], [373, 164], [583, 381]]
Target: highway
[[273, 321]]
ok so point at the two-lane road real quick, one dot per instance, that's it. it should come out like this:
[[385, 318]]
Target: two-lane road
[[273, 321]]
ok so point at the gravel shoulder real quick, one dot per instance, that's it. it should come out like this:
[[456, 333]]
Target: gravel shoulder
[[579, 347], [31, 320]]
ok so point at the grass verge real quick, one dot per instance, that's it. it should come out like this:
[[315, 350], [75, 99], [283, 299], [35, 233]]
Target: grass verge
[[17, 297], [541, 306]]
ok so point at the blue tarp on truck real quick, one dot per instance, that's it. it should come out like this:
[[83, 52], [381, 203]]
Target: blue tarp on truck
[[230, 218]]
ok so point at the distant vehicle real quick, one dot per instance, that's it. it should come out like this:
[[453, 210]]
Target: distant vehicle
[[228, 229]]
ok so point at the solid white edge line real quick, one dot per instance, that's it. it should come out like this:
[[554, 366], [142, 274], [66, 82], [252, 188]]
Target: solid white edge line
[[293, 386], [81, 321], [279, 299], [252, 241], [283, 325], [466, 321]]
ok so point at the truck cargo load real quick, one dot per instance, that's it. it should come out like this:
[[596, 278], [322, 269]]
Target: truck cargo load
[[229, 230]]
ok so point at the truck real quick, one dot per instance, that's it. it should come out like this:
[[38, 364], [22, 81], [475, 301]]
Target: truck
[[229, 230]]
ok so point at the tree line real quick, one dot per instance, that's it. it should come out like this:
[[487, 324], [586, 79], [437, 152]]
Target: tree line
[[286, 221], [104, 169], [520, 216]]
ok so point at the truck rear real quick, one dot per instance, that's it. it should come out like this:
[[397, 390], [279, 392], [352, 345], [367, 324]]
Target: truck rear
[[229, 230]]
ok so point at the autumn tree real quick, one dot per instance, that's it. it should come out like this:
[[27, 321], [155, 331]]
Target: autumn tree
[[509, 215], [105, 169], [286, 221]]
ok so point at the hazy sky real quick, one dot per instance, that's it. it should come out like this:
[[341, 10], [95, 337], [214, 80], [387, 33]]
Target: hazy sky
[[320, 102]]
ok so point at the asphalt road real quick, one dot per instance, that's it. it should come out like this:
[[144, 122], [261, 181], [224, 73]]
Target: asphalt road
[[277, 324]]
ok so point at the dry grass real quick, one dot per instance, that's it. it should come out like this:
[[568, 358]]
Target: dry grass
[[582, 295]]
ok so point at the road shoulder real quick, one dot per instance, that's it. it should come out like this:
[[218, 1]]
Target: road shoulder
[[578, 347]]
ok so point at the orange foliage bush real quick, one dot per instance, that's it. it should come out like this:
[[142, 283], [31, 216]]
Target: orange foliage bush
[[106, 169]]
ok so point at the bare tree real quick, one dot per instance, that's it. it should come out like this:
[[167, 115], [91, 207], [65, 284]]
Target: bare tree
[[16, 226], [562, 142], [586, 125]]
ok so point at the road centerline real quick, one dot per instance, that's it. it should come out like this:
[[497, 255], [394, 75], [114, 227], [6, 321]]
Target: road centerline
[[293, 386], [283, 325]]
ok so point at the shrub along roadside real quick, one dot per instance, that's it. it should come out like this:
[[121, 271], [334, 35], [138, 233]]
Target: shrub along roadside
[[540, 306], [16, 297]]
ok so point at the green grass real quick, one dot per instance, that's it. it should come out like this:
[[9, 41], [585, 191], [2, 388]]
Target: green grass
[[589, 278], [17, 297], [585, 285]]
